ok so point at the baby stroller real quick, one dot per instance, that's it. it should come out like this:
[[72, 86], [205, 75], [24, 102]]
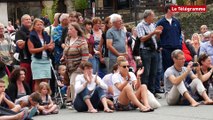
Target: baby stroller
[[59, 99]]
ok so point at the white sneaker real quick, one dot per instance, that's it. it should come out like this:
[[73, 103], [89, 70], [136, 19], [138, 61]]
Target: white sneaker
[[70, 107]]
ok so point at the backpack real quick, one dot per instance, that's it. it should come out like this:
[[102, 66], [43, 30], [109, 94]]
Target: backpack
[[136, 48]]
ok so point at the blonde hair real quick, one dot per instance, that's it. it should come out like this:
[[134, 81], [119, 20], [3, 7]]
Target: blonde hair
[[34, 22], [121, 59], [198, 36], [44, 84]]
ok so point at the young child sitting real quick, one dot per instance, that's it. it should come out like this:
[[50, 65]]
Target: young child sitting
[[63, 81], [30, 103], [5, 99], [46, 106]]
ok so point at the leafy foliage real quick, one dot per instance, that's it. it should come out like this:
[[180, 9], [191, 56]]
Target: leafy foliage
[[191, 22], [81, 4]]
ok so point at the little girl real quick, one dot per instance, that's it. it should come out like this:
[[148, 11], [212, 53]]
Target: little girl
[[46, 106]]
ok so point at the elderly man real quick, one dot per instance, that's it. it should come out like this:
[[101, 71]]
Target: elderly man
[[21, 38], [207, 47], [116, 40], [57, 33], [6, 48], [51, 28], [148, 48], [176, 86]]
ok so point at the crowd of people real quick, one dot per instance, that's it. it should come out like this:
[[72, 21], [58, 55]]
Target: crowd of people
[[102, 64]]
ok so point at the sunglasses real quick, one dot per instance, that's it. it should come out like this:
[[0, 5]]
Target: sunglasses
[[125, 66]]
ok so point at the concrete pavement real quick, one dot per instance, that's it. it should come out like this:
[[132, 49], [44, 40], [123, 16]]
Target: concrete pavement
[[202, 112]]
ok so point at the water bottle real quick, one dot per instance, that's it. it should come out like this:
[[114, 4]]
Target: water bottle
[[210, 91]]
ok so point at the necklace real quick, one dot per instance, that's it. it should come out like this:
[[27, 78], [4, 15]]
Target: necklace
[[72, 41]]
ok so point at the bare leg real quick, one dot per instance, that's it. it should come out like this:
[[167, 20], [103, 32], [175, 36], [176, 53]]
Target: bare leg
[[52, 109], [141, 94], [36, 85], [111, 104], [17, 108], [18, 116], [206, 98], [128, 95], [68, 93], [190, 99], [104, 102], [90, 106]]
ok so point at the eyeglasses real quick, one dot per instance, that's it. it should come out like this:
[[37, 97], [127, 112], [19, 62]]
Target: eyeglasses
[[125, 66], [181, 58]]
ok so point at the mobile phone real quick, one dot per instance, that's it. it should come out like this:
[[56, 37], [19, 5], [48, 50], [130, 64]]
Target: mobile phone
[[139, 66]]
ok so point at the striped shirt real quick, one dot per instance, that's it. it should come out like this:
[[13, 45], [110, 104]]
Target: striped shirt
[[142, 28], [75, 53]]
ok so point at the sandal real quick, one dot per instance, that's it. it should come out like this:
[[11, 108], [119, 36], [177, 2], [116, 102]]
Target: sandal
[[108, 110], [147, 110], [92, 111], [55, 112]]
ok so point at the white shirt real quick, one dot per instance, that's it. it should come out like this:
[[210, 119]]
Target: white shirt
[[80, 80], [117, 78]]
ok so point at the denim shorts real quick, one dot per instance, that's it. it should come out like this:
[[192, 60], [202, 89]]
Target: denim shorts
[[120, 107]]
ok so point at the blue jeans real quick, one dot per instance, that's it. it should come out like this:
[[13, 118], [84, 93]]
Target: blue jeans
[[149, 59], [159, 76], [112, 62], [95, 63], [166, 58], [95, 98]]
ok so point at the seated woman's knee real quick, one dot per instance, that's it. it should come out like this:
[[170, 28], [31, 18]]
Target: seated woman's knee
[[143, 87]]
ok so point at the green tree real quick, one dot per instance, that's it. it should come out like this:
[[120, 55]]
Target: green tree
[[181, 2], [81, 5]]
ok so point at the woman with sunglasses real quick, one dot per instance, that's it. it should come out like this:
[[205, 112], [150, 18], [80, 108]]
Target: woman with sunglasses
[[128, 91]]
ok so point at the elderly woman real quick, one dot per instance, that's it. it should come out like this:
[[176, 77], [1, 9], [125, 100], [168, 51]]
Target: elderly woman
[[75, 52], [40, 45], [17, 87]]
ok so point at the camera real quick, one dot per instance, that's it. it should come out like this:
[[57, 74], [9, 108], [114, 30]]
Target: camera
[[139, 66], [194, 64]]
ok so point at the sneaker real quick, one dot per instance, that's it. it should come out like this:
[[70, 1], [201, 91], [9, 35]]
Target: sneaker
[[70, 107], [158, 96], [159, 91], [69, 104]]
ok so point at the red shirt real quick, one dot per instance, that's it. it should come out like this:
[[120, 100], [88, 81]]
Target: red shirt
[[186, 52]]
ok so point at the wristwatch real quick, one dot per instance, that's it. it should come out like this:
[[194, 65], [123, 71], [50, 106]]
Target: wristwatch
[[127, 78]]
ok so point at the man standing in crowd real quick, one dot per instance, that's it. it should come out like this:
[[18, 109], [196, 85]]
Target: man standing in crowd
[[6, 48], [148, 48], [170, 38], [116, 40], [49, 29], [21, 38], [57, 33], [207, 47]]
